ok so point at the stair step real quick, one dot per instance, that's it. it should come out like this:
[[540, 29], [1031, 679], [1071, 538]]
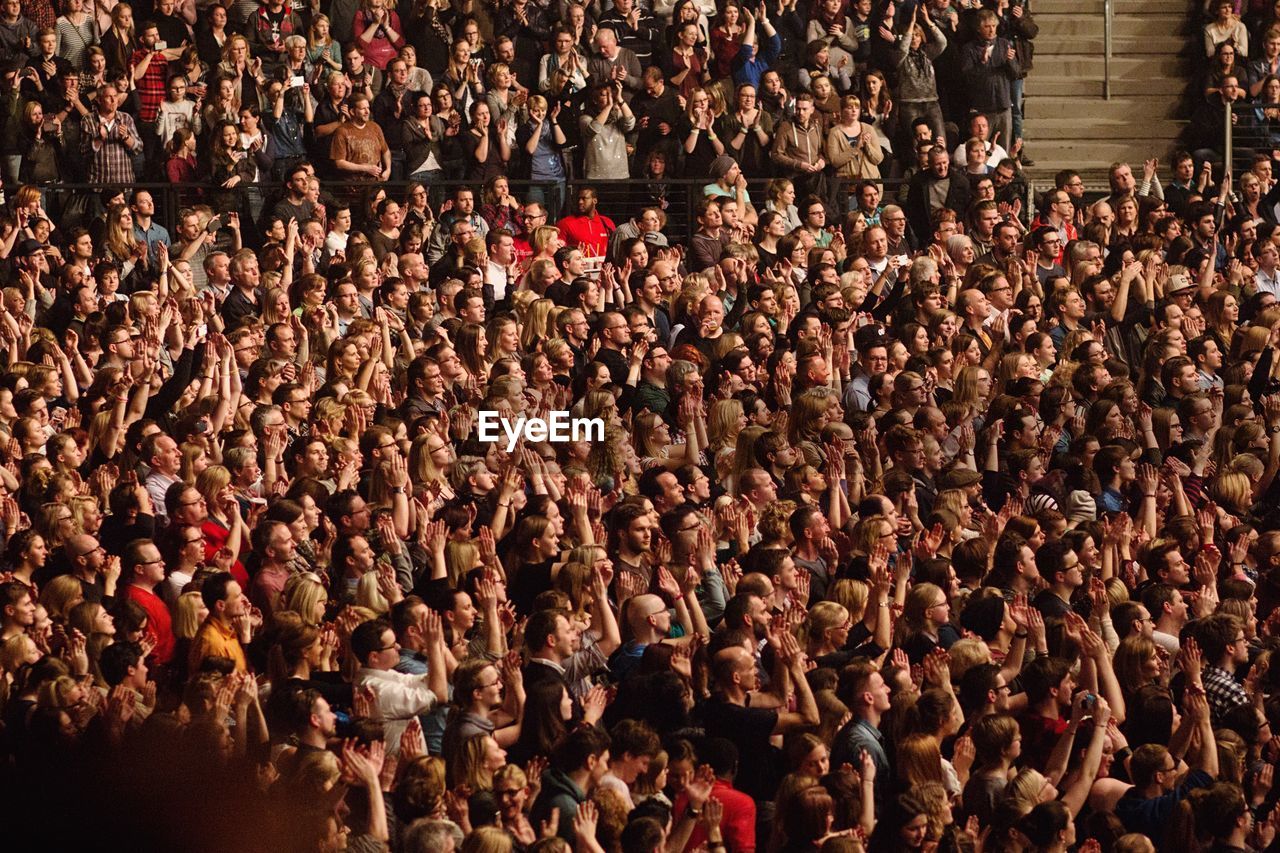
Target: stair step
[[1120, 8], [1081, 108], [1149, 69], [1070, 152], [1070, 128], [1042, 83], [1071, 23], [1090, 44]]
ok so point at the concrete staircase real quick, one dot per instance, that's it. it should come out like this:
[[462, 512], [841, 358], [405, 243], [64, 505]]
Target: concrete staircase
[[1068, 122]]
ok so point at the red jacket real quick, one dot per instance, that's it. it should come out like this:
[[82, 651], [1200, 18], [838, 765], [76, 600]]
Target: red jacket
[[588, 233], [738, 825], [159, 624]]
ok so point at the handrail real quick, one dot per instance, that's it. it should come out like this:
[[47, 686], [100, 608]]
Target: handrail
[[1227, 141], [617, 197], [1106, 49]]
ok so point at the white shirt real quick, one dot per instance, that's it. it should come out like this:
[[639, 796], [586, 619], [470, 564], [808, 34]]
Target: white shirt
[[400, 698], [496, 275], [995, 153], [1267, 282]]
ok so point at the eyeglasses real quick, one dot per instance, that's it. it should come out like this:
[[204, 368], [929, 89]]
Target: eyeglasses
[[96, 550], [386, 446], [198, 500]]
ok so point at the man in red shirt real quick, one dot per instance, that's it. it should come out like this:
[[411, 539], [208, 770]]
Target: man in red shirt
[[151, 71], [144, 569], [589, 230], [739, 822]]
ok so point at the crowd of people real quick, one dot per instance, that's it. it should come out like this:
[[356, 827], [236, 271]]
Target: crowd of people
[[922, 516]]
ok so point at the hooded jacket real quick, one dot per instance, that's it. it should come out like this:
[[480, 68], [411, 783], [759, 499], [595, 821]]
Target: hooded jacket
[[558, 791]]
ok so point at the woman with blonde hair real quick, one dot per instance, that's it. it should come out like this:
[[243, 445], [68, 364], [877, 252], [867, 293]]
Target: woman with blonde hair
[[780, 197], [460, 557], [1233, 492], [653, 443], [725, 421], [429, 463], [188, 614], [60, 595], [86, 514], [1016, 365], [488, 839], [827, 632], [545, 242], [305, 595], [322, 48], [224, 527], [478, 758], [537, 325], [504, 334]]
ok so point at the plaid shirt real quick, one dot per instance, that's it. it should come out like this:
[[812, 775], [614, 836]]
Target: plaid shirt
[[109, 161], [1223, 692], [41, 13], [152, 85]]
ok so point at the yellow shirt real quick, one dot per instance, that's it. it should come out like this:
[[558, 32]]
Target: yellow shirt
[[212, 640]]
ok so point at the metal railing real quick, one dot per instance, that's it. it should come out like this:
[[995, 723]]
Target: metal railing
[[1106, 48], [73, 204], [1247, 128]]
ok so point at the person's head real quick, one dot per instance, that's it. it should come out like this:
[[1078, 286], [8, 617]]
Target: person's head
[[1048, 678], [1049, 826], [223, 597], [123, 662], [584, 748], [1222, 639], [863, 689]]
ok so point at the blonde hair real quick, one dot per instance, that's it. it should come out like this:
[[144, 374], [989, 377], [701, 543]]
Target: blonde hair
[[186, 615], [967, 653], [301, 594], [487, 839], [60, 595], [14, 651], [823, 617], [459, 558], [722, 423], [57, 693], [852, 594]]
